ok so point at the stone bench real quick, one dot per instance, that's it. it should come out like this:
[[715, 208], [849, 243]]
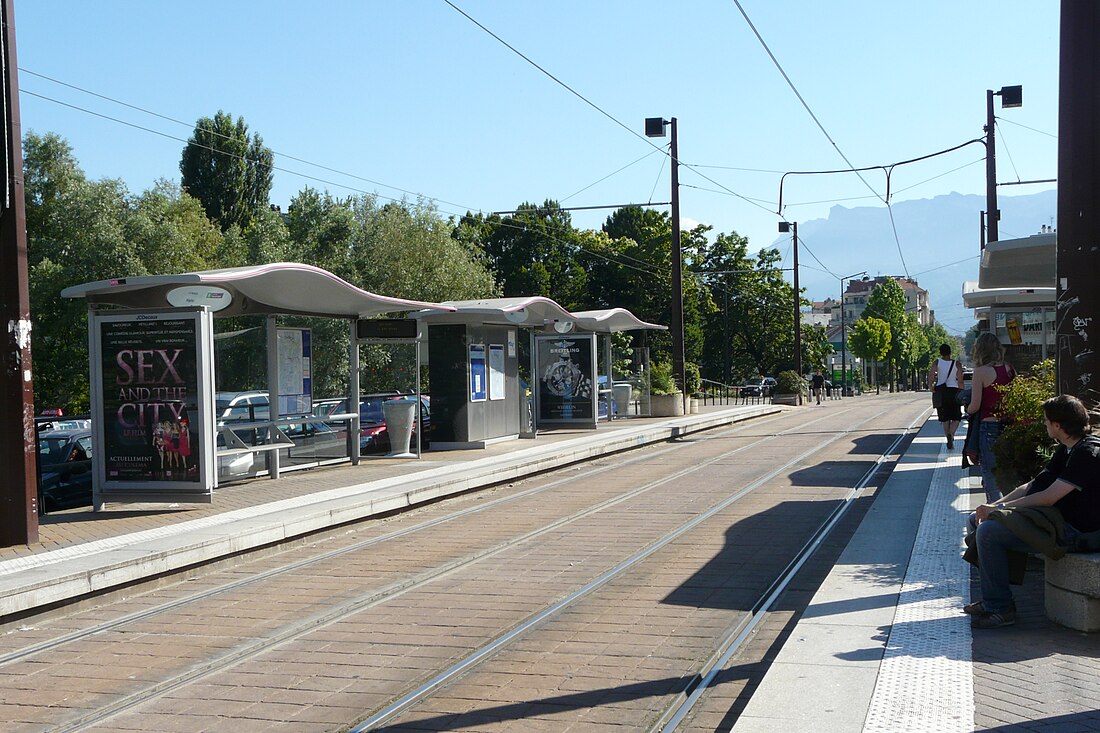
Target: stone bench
[[1072, 593]]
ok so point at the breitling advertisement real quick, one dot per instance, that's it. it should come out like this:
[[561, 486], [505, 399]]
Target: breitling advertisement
[[566, 376]]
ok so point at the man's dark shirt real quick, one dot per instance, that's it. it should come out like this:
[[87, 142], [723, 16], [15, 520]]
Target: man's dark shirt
[[1079, 466]]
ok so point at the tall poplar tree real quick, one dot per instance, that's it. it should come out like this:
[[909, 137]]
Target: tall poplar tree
[[227, 169]]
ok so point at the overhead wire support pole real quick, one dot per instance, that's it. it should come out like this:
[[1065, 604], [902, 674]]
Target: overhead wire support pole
[[678, 355], [19, 485], [992, 215]]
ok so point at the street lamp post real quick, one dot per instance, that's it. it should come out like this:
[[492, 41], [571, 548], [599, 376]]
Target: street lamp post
[[844, 336], [792, 227], [1010, 97], [655, 127]]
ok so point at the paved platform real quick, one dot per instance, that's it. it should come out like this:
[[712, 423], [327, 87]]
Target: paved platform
[[883, 645], [84, 552]]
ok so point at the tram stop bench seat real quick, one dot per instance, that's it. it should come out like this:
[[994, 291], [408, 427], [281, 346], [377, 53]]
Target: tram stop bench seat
[[1072, 593]]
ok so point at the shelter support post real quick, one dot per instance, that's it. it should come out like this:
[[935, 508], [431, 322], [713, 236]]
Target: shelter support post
[[610, 377], [272, 391], [353, 392]]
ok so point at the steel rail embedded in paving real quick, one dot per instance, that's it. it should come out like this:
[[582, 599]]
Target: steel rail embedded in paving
[[486, 651]]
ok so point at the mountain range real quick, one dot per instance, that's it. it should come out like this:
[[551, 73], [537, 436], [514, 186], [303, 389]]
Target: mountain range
[[939, 245]]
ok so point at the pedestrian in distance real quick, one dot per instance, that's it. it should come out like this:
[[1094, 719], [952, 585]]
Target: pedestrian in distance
[[818, 385], [1055, 513], [945, 376], [990, 372]]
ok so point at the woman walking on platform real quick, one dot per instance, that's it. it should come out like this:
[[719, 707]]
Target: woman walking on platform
[[990, 371], [946, 376]]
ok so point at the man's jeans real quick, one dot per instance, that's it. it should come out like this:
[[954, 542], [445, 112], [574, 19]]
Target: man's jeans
[[988, 432], [994, 542]]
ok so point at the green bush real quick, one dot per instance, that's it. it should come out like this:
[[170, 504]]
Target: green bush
[[694, 378], [789, 382], [660, 378], [1024, 447]]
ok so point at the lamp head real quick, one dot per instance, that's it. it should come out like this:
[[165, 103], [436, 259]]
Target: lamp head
[[1012, 97], [655, 127], [784, 226]]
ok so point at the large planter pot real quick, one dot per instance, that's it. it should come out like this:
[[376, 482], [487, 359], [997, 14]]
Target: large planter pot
[[785, 399], [666, 405]]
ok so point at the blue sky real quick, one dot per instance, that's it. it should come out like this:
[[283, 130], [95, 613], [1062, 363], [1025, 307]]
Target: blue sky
[[413, 96]]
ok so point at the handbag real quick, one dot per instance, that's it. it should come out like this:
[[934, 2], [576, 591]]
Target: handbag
[[937, 391]]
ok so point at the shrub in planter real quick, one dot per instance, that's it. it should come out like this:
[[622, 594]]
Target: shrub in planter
[[1024, 447], [789, 382], [660, 379]]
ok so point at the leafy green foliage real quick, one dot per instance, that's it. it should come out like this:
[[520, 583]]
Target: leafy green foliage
[[694, 378], [789, 382], [227, 169], [660, 378], [1024, 446]]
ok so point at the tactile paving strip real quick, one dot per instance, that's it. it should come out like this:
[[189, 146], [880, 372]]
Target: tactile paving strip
[[925, 681]]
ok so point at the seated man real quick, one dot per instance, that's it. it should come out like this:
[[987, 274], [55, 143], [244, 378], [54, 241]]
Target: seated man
[[1052, 511]]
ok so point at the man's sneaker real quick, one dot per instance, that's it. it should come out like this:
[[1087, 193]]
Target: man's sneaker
[[993, 620]]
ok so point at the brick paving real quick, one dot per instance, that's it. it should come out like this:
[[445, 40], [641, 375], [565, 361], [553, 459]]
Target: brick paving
[[1035, 676]]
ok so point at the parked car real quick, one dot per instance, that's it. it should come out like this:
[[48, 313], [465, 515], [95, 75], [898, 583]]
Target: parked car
[[243, 406], [757, 387], [65, 468]]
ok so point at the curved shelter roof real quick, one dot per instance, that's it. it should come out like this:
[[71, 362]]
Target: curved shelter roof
[[281, 287], [1019, 263], [532, 312], [975, 297], [612, 320]]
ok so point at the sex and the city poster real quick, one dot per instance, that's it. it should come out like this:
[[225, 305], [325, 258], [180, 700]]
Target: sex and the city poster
[[150, 385]]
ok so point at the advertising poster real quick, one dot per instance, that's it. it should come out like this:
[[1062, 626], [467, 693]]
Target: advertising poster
[[149, 378], [478, 382], [566, 371]]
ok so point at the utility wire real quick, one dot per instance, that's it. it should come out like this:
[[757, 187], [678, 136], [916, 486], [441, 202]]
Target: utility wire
[[649, 271], [1004, 142], [214, 133], [609, 175], [1014, 122], [594, 106], [822, 128], [657, 180]]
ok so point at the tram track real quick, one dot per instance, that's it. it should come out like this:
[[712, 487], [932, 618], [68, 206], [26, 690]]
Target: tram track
[[382, 594], [700, 680]]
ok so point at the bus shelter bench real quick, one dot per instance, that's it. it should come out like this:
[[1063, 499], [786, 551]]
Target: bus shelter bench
[[1072, 592]]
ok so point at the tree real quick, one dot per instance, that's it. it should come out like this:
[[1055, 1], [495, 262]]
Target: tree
[[80, 231], [870, 340], [752, 320], [532, 252], [227, 169], [887, 302], [815, 346]]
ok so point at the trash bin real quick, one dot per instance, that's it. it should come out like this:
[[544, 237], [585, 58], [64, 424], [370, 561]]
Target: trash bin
[[621, 391], [399, 415]]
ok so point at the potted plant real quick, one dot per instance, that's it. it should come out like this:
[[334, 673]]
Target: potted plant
[[665, 400], [789, 386]]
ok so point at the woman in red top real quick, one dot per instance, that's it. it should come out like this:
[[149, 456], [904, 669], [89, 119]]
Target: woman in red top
[[990, 370]]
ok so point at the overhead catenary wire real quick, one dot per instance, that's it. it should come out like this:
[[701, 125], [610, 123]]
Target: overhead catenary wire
[[650, 270]]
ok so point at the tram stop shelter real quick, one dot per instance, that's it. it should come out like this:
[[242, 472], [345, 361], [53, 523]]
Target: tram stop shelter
[[478, 396], [624, 393], [475, 353], [1015, 296], [155, 437]]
